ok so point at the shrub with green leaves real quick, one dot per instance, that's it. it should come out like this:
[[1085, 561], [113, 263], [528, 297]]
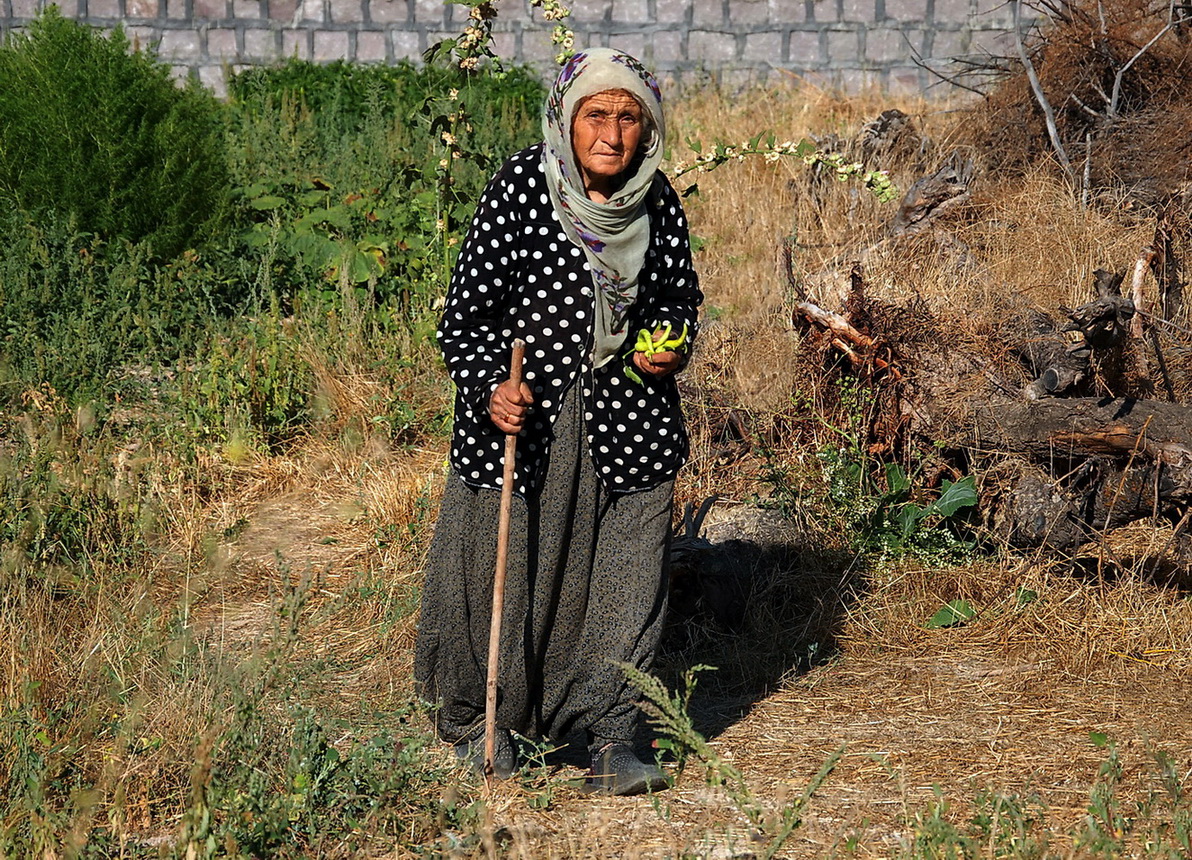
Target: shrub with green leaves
[[340, 168], [92, 130]]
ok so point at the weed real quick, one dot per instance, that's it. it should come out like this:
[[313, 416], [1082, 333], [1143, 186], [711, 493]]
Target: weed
[[668, 712]]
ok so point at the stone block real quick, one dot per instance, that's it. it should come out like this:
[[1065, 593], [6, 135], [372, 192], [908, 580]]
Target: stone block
[[672, 11], [858, 11], [246, 9], [103, 9], [806, 49], [763, 48], [141, 8], [947, 44], [347, 11], [788, 11], [858, 80], [261, 44], [911, 10], [389, 11], [330, 45], [282, 10], [179, 45], [504, 45], [999, 43], [885, 45], [180, 74], [25, 8], [175, 10], [536, 46], [406, 45], [710, 47], [905, 80], [748, 12], [311, 10], [823, 11], [214, 79], [707, 13], [140, 37], [633, 44], [221, 45], [630, 12], [371, 47], [595, 39], [668, 48], [952, 11], [431, 12], [210, 9], [843, 46], [590, 11], [295, 43]]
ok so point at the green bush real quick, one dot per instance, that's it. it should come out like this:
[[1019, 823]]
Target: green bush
[[337, 169], [99, 133], [74, 309]]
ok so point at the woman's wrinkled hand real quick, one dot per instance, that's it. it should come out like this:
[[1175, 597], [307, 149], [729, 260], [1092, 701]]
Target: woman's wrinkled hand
[[509, 406], [658, 364]]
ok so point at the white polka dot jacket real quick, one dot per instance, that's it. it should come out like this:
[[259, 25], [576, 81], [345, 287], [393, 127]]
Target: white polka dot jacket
[[518, 275]]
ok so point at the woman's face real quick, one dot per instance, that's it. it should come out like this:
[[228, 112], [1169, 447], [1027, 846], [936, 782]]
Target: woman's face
[[605, 135]]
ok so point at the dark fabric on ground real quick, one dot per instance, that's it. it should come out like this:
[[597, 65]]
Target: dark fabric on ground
[[584, 592]]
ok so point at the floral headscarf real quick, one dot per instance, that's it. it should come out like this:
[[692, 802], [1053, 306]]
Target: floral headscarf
[[613, 235]]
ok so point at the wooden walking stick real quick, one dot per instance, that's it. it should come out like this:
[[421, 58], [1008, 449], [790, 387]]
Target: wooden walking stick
[[494, 634]]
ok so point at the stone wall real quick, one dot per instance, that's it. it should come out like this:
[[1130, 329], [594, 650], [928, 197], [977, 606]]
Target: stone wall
[[846, 43]]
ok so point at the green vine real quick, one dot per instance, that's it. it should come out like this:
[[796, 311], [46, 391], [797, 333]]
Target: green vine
[[877, 182]]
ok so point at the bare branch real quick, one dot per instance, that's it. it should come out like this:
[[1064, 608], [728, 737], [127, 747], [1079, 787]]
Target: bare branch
[[1040, 96], [917, 59], [1117, 79]]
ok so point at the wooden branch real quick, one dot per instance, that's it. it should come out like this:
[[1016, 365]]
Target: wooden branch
[[858, 347], [1140, 268], [1040, 96], [1117, 79], [834, 323]]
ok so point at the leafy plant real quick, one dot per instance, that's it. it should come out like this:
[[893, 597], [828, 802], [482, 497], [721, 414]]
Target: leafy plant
[[669, 714], [879, 502], [92, 130], [341, 176]]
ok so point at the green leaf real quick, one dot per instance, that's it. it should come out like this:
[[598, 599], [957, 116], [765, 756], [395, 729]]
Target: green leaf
[[908, 517], [268, 202], [897, 481], [695, 145], [953, 613], [1024, 596], [698, 243], [1099, 739], [961, 494]]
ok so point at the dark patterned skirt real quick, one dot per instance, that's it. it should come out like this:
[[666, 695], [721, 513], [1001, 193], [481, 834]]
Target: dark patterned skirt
[[584, 593]]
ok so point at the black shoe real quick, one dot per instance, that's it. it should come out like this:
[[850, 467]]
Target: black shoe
[[616, 769], [471, 750]]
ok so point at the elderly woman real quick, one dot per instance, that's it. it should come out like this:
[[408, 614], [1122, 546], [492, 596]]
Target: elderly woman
[[579, 247]]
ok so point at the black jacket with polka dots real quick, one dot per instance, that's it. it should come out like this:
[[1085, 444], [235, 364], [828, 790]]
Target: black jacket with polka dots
[[518, 275]]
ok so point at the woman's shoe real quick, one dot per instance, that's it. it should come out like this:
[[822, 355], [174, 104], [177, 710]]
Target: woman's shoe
[[616, 769], [471, 750]]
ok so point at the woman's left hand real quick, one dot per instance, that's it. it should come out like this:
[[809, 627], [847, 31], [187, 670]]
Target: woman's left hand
[[658, 364]]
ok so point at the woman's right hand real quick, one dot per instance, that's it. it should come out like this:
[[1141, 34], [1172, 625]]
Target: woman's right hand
[[509, 406]]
